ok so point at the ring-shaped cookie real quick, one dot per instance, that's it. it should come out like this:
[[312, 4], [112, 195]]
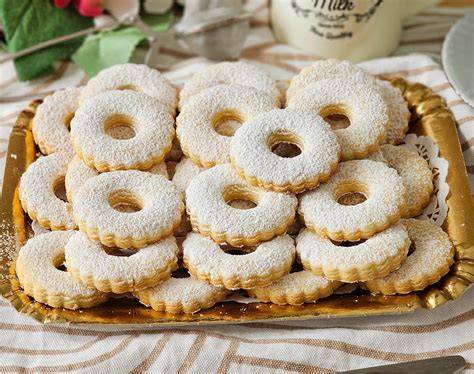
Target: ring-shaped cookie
[[229, 73], [181, 295], [37, 192], [133, 77], [203, 113], [376, 257], [431, 258], [385, 203], [295, 289], [207, 199], [152, 124], [157, 204], [37, 270], [253, 157], [360, 102], [397, 111], [416, 175], [208, 262], [78, 173], [51, 122], [91, 264], [327, 69]]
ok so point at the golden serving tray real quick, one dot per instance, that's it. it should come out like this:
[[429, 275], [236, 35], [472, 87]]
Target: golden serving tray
[[430, 116]]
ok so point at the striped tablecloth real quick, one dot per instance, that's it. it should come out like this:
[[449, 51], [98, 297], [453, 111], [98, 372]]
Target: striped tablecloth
[[311, 346]]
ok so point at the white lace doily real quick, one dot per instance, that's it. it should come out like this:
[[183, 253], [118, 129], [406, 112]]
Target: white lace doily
[[437, 209]]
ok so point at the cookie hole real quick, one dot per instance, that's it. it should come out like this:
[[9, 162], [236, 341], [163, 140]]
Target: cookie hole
[[120, 127], [411, 249], [336, 116], [125, 202], [127, 87], [285, 144], [240, 197], [59, 189], [227, 122], [352, 198], [59, 263], [180, 273], [286, 150], [347, 243], [350, 193], [237, 251], [68, 119], [120, 252]]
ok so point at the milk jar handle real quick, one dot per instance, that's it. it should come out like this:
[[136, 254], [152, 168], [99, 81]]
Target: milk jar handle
[[412, 7]]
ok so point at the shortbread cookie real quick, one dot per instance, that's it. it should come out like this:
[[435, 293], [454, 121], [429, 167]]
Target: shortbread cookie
[[295, 289], [229, 73], [50, 125], [155, 208], [252, 151], [37, 270], [208, 199], [210, 263], [181, 295], [360, 102], [199, 121], [327, 69], [93, 264], [133, 77], [354, 262], [152, 125], [185, 171], [397, 111], [380, 185], [416, 175], [38, 229], [431, 258], [37, 192], [78, 173]]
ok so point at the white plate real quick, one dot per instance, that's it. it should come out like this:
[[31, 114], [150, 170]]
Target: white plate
[[458, 57]]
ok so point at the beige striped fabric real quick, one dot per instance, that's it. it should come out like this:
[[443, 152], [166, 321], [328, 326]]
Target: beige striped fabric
[[312, 346]]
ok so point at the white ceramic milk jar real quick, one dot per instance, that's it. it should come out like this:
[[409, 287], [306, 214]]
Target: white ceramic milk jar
[[345, 29]]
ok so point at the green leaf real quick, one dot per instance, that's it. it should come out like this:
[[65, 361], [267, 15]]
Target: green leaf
[[29, 22], [112, 47]]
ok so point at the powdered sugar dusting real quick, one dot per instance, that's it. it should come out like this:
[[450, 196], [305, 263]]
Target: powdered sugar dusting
[[397, 110], [415, 173], [37, 192], [208, 260], [35, 268], [90, 261], [49, 125], [251, 151], [160, 199], [229, 73], [360, 101], [327, 69], [382, 186], [78, 173], [321, 252], [205, 201], [182, 294], [433, 254], [132, 77], [153, 125], [195, 124], [185, 171]]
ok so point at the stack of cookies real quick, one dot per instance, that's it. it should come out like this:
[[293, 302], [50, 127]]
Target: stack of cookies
[[287, 204]]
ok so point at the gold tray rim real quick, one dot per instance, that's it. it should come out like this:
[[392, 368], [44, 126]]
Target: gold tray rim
[[430, 116]]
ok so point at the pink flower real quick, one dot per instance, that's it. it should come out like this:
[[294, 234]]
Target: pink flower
[[86, 8]]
